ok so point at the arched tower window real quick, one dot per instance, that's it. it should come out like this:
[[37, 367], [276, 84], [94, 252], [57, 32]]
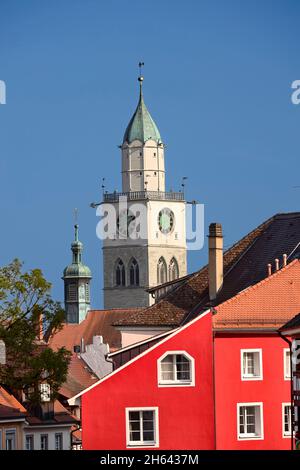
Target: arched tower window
[[120, 273], [161, 271], [173, 270], [134, 273]]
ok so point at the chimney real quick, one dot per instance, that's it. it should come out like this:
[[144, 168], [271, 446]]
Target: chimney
[[2, 352], [40, 327], [276, 264], [215, 259], [284, 259], [269, 269]]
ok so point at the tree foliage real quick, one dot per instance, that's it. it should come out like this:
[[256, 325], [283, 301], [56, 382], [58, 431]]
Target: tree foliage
[[25, 301]]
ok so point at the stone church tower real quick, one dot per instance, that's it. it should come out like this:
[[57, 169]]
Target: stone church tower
[[77, 278], [132, 265]]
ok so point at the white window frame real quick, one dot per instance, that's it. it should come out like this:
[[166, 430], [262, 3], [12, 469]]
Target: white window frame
[[176, 383], [135, 444], [284, 433], [14, 432], [248, 437], [61, 436], [31, 436], [47, 440], [285, 375], [249, 377]]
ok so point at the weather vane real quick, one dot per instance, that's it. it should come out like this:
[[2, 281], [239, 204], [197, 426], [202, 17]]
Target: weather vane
[[75, 216], [141, 64], [103, 185]]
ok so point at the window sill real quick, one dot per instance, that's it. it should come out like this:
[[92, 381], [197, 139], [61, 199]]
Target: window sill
[[246, 378], [250, 438], [143, 446], [176, 384]]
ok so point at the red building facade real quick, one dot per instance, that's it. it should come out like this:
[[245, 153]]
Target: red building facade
[[221, 381], [134, 408]]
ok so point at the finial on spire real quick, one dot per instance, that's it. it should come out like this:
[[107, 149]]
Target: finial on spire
[[76, 223], [141, 78]]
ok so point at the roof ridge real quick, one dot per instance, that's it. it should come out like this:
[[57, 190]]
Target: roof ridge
[[258, 284], [201, 270]]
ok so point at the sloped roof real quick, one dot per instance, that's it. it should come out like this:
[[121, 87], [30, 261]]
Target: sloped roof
[[141, 126], [10, 408], [245, 264], [293, 324], [97, 322], [267, 304], [79, 377], [61, 416]]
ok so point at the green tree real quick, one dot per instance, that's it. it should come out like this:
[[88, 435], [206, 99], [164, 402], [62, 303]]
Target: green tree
[[25, 302]]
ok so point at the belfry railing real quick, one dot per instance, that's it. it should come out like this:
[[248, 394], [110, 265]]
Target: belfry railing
[[143, 195]]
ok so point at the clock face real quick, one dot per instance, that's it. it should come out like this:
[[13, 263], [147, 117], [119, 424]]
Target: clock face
[[125, 223], [166, 220]]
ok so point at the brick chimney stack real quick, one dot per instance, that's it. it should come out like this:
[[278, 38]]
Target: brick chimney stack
[[215, 259]]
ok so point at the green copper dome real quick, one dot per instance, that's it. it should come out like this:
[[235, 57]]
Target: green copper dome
[[77, 268], [141, 126]]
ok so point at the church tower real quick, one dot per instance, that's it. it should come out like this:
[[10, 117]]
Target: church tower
[[132, 265], [77, 278]]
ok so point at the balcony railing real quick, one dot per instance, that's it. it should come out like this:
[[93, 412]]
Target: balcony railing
[[143, 195]]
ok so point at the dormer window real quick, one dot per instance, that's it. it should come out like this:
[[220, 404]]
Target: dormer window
[[45, 392], [176, 368]]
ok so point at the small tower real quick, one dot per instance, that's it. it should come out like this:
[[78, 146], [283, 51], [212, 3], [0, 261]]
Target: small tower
[[77, 278]]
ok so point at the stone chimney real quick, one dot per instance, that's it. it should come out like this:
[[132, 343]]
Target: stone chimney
[[215, 260], [2, 352]]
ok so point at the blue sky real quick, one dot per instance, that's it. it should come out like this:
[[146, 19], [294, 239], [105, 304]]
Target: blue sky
[[217, 82]]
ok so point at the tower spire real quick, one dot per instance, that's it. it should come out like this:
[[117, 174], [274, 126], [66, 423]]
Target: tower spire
[[141, 78]]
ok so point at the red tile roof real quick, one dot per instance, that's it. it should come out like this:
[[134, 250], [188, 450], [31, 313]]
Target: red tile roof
[[79, 377], [10, 408], [245, 264], [61, 416], [268, 304], [97, 322]]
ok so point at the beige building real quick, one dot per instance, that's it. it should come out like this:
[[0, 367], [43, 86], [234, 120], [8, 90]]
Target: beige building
[[12, 421], [147, 242]]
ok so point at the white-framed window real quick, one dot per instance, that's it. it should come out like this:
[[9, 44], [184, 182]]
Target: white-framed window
[[44, 441], [176, 368], [59, 441], [142, 427], [287, 363], [29, 442], [45, 392], [287, 418], [10, 439], [251, 364], [250, 421]]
